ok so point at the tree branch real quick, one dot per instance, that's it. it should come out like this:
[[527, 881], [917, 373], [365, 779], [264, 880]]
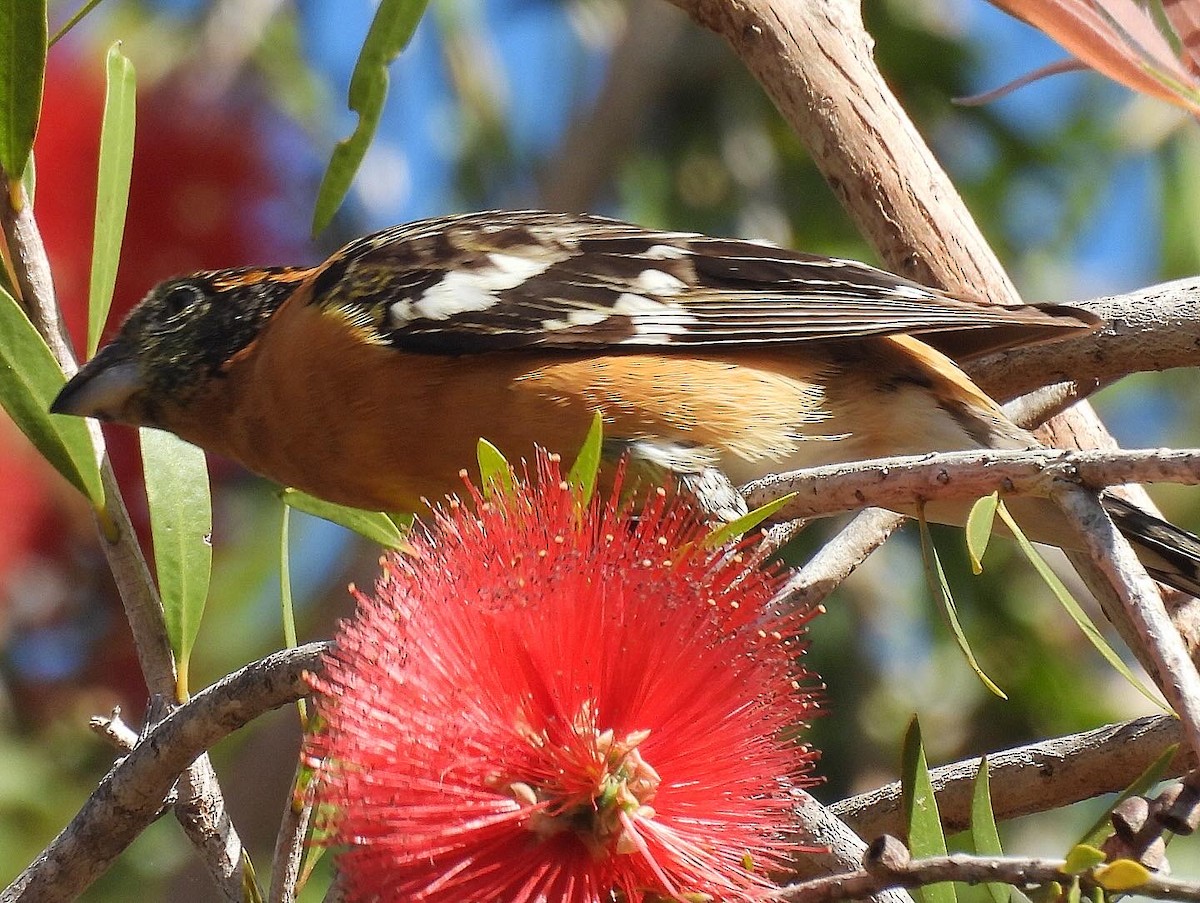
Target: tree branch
[[1112, 555], [903, 481], [838, 558], [887, 865], [289, 842], [131, 794], [1034, 778], [844, 850], [201, 808], [814, 59], [1155, 328]]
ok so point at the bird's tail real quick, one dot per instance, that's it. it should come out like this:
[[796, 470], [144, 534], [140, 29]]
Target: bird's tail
[[1169, 554]]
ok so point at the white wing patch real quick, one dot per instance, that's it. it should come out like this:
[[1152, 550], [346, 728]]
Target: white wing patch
[[664, 252], [659, 283], [467, 291]]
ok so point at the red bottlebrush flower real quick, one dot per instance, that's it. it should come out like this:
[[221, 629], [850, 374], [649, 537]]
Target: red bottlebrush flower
[[549, 704]]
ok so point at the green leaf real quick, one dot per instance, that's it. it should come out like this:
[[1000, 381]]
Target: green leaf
[[587, 463], [251, 892], [177, 495], [1141, 786], [285, 583], [1121, 875], [112, 192], [939, 587], [1082, 857], [392, 28], [494, 470], [287, 610], [984, 835], [925, 837], [740, 526], [30, 379], [22, 73], [1074, 892], [385, 529], [979, 529], [1067, 601], [29, 180]]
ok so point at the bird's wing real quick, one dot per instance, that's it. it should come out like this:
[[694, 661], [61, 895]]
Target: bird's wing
[[497, 281]]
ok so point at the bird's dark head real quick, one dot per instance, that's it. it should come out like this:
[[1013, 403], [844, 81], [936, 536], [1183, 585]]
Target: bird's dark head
[[175, 343]]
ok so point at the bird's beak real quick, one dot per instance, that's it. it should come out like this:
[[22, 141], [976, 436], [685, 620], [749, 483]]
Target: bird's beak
[[103, 387]]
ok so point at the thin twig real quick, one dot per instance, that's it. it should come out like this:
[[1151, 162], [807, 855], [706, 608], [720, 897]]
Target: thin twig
[[1018, 872], [114, 729], [130, 795], [289, 843], [839, 558]]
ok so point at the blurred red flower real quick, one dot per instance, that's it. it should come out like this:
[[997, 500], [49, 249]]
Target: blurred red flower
[[549, 704]]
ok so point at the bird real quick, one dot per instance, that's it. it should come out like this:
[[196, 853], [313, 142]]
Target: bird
[[368, 379]]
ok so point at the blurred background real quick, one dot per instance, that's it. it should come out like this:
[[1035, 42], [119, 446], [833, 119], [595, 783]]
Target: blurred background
[[622, 108]]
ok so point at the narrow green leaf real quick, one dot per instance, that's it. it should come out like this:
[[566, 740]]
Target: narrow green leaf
[[74, 20], [285, 582], [390, 31], [22, 73], [1082, 857], [494, 470], [322, 826], [1074, 892], [742, 525], [376, 526], [979, 529], [925, 836], [984, 835], [586, 468], [112, 191], [1141, 786], [939, 587], [251, 892], [1067, 601], [29, 180], [1121, 875], [177, 495], [287, 610], [30, 379]]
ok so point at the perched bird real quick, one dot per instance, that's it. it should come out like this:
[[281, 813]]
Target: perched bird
[[367, 380]]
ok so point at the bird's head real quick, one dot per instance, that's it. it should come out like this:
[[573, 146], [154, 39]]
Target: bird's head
[[175, 343]]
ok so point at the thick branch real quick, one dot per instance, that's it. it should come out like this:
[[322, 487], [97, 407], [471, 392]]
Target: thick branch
[[131, 794], [1035, 778], [814, 59]]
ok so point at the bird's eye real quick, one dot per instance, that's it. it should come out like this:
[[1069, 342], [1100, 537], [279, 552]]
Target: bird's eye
[[179, 299]]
